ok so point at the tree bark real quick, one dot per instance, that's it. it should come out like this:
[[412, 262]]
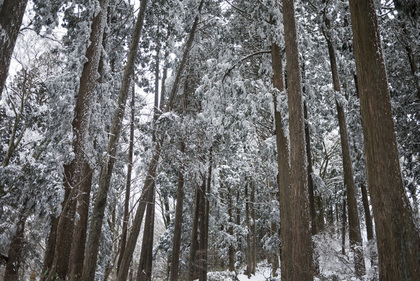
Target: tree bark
[[283, 164], [89, 264], [11, 16], [301, 234], [397, 237], [343, 228]]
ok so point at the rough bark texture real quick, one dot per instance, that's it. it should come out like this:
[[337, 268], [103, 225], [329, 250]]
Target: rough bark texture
[[49, 252], [301, 234], [355, 236], [283, 163], [11, 15], [89, 264], [397, 237], [77, 251]]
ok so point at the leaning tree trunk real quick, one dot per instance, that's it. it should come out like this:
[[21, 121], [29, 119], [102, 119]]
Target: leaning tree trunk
[[283, 178], [89, 264], [397, 236], [355, 235], [301, 233], [11, 15]]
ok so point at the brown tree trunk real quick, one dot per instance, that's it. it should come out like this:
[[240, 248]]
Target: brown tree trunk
[[397, 237], [193, 268], [248, 271], [49, 252], [176, 246], [15, 251], [77, 251], [144, 272], [283, 179], [301, 234], [355, 236], [368, 218], [11, 15], [253, 231], [89, 264], [343, 228], [128, 182]]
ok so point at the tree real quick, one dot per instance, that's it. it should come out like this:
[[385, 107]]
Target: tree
[[11, 16], [398, 239], [89, 264], [301, 234]]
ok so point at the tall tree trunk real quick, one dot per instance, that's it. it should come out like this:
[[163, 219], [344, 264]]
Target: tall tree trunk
[[176, 246], [253, 231], [230, 230], [355, 235], [314, 228], [283, 164], [89, 264], [248, 233], [193, 270], [144, 271], [77, 251], [301, 234], [397, 236], [78, 173], [11, 16], [16, 250], [128, 182]]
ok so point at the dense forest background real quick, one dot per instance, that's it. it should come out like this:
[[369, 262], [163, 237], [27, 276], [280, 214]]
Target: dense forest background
[[202, 139]]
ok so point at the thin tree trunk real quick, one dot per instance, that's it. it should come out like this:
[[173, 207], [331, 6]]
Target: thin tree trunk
[[128, 182], [230, 230], [49, 252], [283, 164], [397, 236], [301, 235], [176, 246], [368, 218], [144, 272], [248, 233], [89, 264], [343, 228], [355, 236], [192, 264], [11, 15], [253, 231]]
